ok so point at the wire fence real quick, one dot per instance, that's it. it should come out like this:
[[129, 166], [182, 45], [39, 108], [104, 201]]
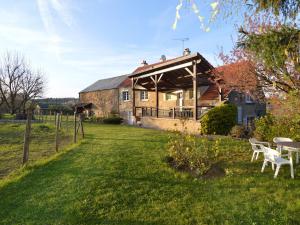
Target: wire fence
[[41, 136]]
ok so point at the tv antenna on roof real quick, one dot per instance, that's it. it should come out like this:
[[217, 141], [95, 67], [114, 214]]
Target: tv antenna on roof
[[183, 40]]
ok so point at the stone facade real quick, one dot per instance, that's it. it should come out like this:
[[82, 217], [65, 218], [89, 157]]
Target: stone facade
[[190, 126], [104, 102]]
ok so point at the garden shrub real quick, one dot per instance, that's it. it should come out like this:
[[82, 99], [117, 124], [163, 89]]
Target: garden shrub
[[113, 120], [190, 153], [219, 120], [239, 131], [268, 127], [94, 119]]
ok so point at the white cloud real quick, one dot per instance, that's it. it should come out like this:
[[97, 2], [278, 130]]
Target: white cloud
[[48, 10]]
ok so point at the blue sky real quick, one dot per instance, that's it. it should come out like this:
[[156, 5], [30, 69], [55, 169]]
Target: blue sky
[[76, 42]]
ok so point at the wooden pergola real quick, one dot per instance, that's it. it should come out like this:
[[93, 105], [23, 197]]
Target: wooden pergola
[[191, 71]]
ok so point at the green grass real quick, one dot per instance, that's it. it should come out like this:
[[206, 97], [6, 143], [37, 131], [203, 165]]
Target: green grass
[[118, 176], [41, 146], [7, 116]]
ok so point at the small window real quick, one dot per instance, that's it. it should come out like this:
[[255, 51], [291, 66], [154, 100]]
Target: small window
[[144, 95], [248, 99], [168, 96], [125, 96]]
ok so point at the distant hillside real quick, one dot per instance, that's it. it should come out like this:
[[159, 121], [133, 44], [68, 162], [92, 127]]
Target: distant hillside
[[56, 101]]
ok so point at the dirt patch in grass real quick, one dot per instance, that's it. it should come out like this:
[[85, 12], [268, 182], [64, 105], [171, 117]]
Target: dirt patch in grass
[[216, 171]]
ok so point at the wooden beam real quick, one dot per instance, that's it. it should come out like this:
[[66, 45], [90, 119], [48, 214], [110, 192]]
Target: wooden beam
[[133, 98], [195, 90], [167, 70], [135, 83], [160, 77], [189, 71], [152, 79], [156, 95]]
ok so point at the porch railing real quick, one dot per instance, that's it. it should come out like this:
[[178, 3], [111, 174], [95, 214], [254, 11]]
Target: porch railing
[[175, 113]]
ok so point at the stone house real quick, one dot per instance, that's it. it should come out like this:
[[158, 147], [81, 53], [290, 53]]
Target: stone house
[[159, 95]]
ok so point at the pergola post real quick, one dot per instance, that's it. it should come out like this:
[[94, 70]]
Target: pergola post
[[156, 95], [133, 98], [195, 90]]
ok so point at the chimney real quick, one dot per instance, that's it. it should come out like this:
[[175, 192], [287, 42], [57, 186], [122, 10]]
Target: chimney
[[163, 58], [144, 63], [186, 52]]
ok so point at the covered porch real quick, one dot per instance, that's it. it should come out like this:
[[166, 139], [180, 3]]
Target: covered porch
[[191, 72]]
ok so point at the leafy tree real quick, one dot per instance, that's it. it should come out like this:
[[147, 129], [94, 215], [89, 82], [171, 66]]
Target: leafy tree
[[276, 51]]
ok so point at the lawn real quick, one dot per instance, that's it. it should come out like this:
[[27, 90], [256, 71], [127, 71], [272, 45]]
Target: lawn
[[41, 147], [118, 175]]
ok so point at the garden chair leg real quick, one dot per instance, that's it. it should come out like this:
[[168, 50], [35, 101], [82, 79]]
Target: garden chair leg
[[272, 166], [297, 157], [276, 171], [292, 171], [253, 155], [257, 155], [263, 167]]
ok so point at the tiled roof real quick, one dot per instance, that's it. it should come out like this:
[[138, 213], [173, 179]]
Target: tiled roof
[[104, 84], [212, 93], [146, 67]]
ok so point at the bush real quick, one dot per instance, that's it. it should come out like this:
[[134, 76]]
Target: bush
[[219, 120], [189, 153], [94, 119], [113, 120], [239, 131], [263, 128], [268, 127]]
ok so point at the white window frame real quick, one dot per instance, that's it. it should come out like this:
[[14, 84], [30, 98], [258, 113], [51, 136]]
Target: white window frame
[[144, 95], [248, 98], [126, 99]]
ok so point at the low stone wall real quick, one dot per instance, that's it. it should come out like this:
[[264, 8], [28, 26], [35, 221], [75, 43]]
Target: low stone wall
[[191, 126]]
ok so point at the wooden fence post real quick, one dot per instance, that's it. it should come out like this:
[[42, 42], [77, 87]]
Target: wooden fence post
[[27, 137], [67, 123], [56, 131], [75, 125], [60, 118], [81, 125]]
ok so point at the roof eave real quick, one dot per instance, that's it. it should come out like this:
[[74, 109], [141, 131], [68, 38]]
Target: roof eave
[[169, 63]]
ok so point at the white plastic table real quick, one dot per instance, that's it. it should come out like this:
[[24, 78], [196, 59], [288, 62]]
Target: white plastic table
[[292, 147]]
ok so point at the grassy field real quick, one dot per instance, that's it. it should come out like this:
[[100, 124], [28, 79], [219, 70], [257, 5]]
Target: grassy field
[[41, 146], [117, 175]]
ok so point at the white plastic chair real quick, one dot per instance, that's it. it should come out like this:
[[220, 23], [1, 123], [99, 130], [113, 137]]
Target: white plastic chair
[[256, 147], [273, 157]]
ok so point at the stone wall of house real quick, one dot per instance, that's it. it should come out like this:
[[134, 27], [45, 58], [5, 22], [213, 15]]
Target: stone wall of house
[[191, 126], [105, 102]]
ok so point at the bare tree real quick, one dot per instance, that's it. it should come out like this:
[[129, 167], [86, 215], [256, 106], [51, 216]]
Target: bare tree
[[32, 86], [18, 82]]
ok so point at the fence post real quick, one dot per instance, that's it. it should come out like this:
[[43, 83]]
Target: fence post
[[67, 123], [27, 137], [75, 125], [60, 118], [55, 115], [56, 131], [81, 125]]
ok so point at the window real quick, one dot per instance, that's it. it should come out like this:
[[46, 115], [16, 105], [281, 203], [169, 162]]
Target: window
[[125, 95], [240, 115], [168, 96], [144, 95], [248, 99]]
